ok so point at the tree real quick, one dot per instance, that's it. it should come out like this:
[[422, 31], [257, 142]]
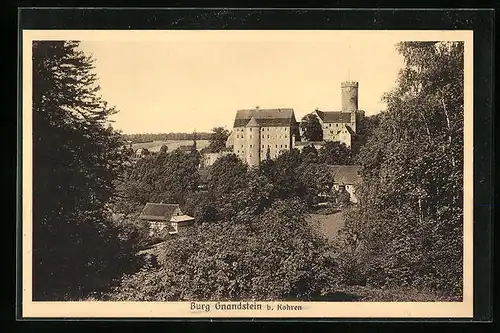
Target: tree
[[334, 153], [163, 149], [218, 139], [76, 158], [309, 154], [168, 178], [412, 190], [227, 182], [311, 128]]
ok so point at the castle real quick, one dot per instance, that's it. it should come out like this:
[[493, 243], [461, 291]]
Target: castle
[[259, 133]]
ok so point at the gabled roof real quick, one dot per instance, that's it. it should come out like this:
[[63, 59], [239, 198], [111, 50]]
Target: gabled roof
[[158, 211], [265, 117], [334, 116], [346, 174]]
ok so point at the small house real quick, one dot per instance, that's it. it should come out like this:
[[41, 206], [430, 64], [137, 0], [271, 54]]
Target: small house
[[162, 216], [346, 177]]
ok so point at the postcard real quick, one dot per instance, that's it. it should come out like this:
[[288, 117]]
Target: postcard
[[247, 174]]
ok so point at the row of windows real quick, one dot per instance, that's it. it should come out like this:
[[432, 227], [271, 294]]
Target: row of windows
[[263, 136], [269, 146], [285, 129]]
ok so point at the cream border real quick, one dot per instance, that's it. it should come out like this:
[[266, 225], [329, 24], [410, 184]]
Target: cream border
[[181, 309]]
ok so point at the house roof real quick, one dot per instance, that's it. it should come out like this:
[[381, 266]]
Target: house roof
[[265, 117], [182, 218], [346, 174], [158, 211], [334, 116]]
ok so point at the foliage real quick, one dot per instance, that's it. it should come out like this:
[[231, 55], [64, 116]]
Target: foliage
[[166, 177], [334, 153], [218, 140], [76, 157], [274, 256], [311, 128], [411, 198]]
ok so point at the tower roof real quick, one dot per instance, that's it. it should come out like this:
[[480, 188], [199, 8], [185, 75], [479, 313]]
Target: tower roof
[[252, 123]]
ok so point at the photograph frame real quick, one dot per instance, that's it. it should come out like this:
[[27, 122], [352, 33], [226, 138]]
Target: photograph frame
[[95, 20]]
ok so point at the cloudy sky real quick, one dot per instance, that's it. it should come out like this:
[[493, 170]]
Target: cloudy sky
[[195, 80]]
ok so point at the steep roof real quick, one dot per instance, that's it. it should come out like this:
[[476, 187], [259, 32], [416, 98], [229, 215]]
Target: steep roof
[[265, 117], [334, 116], [158, 211], [346, 174]]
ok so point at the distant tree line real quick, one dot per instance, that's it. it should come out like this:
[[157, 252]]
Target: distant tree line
[[150, 137]]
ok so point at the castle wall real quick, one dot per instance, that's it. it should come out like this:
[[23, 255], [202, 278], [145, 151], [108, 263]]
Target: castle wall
[[277, 139]]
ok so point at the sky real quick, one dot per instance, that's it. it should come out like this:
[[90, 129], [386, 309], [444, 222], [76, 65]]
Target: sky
[[196, 81]]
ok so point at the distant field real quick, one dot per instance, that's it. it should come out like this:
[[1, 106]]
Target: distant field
[[155, 146], [328, 224]]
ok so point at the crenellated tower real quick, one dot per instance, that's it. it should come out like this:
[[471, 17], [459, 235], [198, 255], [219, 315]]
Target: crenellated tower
[[349, 100]]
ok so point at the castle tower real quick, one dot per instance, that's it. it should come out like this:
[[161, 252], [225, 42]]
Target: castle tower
[[252, 149], [349, 96], [349, 99]]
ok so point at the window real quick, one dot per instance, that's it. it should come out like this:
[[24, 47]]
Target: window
[[286, 136], [250, 135], [241, 146], [285, 146], [281, 146], [262, 146], [329, 125], [276, 146], [336, 125], [238, 151], [250, 155], [268, 136], [250, 146]]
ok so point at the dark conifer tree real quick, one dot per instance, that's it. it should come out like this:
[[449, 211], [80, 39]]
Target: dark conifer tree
[[76, 157]]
